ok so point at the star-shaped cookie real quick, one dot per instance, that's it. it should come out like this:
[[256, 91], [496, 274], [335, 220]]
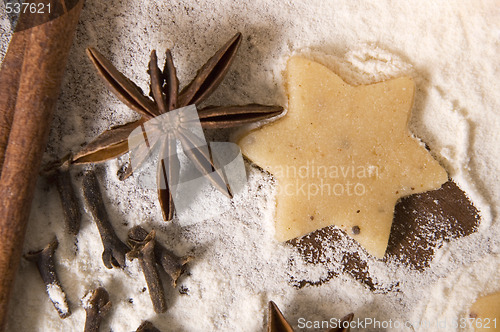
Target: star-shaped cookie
[[342, 155]]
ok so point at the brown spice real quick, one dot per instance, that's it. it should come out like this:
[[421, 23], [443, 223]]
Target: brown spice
[[419, 225], [45, 263], [147, 326], [114, 249], [145, 252], [30, 77], [276, 322], [173, 265], [164, 89], [97, 306], [58, 172]]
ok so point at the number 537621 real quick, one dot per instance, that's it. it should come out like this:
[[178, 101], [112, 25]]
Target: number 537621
[[33, 8]]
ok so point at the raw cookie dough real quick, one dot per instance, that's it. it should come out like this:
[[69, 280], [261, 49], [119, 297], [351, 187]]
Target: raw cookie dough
[[342, 155], [486, 313]]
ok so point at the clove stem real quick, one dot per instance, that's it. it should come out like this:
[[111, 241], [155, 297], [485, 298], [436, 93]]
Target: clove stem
[[173, 265], [44, 260], [145, 251], [58, 172], [114, 249], [96, 305]]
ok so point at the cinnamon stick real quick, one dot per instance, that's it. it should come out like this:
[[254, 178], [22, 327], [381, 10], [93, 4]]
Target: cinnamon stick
[[30, 78], [11, 74]]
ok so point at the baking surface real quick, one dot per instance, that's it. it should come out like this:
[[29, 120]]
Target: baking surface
[[451, 51]]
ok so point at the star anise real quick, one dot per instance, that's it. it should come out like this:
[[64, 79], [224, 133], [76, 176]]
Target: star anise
[[166, 97], [276, 322]]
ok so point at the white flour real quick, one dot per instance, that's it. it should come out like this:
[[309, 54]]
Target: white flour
[[57, 297], [451, 49]]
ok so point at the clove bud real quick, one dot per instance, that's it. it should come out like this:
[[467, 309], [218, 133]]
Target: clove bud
[[114, 249], [44, 260], [58, 172], [145, 251], [173, 265], [96, 305]]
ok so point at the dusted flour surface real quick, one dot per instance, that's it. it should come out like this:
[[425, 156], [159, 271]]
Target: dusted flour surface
[[451, 51]]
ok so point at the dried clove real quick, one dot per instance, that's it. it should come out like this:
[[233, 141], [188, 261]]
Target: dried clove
[[58, 172], [96, 305], [173, 265], [114, 249], [44, 260], [147, 326], [145, 252]]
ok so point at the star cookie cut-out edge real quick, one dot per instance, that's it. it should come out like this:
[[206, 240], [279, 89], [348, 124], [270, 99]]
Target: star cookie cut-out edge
[[261, 138]]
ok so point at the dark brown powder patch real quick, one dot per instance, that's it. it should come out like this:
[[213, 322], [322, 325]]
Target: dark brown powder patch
[[422, 222]]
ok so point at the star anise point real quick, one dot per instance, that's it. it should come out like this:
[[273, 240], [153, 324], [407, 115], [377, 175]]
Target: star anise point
[[164, 90]]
